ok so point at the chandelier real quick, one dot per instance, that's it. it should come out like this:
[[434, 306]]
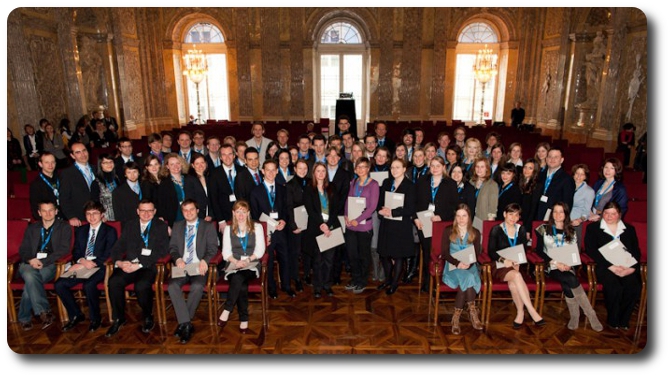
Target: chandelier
[[485, 68], [196, 70]]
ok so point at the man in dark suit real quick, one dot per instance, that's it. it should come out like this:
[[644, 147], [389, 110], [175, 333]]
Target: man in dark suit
[[46, 187], [270, 198], [380, 134], [304, 150], [193, 242], [553, 185], [339, 178], [127, 196], [185, 150], [92, 246], [248, 178], [125, 156], [142, 243], [212, 156], [33, 144], [223, 186], [44, 243], [76, 185]]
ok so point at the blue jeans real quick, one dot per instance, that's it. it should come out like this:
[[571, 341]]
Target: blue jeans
[[34, 296]]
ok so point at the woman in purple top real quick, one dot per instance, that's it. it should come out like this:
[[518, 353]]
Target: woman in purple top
[[358, 235]]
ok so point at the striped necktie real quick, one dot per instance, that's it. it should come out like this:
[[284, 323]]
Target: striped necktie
[[190, 244], [91, 243]]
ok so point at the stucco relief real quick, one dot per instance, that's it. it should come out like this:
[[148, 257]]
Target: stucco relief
[[549, 94], [49, 81], [86, 17], [271, 64], [634, 90], [553, 23], [128, 23], [386, 66], [411, 62], [439, 63], [243, 63], [134, 100], [92, 71]]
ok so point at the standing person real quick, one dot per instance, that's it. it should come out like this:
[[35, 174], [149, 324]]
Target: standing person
[[609, 187], [401, 152], [486, 190], [370, 143], [322, 204], [223, 186], [621, 285], [142, 243], [185, 150], [155, 147], [514, 156], [420, 166], [250, 176], [172, 190], [44, 243], [439, 194], [294, 199], [340, 179], [348, 141], [166, 143], [127, 196], [282, 138], [342, 125], [395, 237], [240, 153], [509, 191], [497, 159], [243, 245], [556, 233], [492, 138], [53, 143], [541, 152], [212, 154], [92, 247], [286, 170], [626, 142], [380, 135], [358, 236], [443, 141], [46, 187], [200, 188], [430, 149], [76, 183], [518, 115], [465, 278], [199, 142], [459, 137], [259, 141], [583, 199], [527, 184], [104, 184], [125, 155], [454, 153], [15, 158], [408, 139], [466, 191], [508, 234], [553, 185], [151, 178], [473, 151], [193, 241], [33, 144]]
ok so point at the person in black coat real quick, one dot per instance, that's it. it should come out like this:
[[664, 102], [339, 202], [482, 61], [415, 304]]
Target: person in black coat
[[382, 139], [46, 187], [76, 183], [621, 285], [223, 181], [438, 193], [464, 189], [554, 185], [151, 178], [322, 203], [125, 155], [269, 198], [527, 184], [294, 199], [396, 240], [286, 171], [249, 177], [127, 196], [340, 179], [173, 189], [92, 246], [509, 190], [33, 144], [200, 187]]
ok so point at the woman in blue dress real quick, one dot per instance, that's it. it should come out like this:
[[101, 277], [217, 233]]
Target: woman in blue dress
[[465, 277]]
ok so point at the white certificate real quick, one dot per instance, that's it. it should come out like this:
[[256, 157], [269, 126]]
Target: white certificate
[[343, 223], [82, 273], [272, 223], [516, 254], [192, 269], [615, 252], [379, 176], [355, 207], [466, 256], [567, 254], [427, 225], [393, 200], [300, 216], [326, 243]]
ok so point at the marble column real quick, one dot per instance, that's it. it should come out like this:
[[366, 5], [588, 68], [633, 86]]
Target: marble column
[[577, 98]]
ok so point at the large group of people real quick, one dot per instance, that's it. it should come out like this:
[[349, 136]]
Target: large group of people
[[178, 203]]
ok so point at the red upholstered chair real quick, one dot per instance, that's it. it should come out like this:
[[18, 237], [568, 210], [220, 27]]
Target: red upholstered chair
[[637, 191], [641, 231], [220, 285], [637, 212], [21, 191], [19, 209]]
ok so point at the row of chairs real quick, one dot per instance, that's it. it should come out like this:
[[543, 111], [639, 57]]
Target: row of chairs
[[215, 286]]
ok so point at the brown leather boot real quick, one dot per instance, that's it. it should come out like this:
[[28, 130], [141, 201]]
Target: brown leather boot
[[573, 308], [584, 303], [474, 316], [455, 321]]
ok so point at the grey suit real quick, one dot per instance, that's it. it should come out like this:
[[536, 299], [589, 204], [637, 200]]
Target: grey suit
[[205, 249]]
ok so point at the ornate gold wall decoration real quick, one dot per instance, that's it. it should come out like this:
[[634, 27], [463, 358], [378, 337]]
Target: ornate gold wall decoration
[[49, 80]]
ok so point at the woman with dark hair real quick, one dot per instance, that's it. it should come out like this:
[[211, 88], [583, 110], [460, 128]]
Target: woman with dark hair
[[583, 199], [609, 187], [509, 233], [284, 166], [200, 187], [401, 152], [151, 178], [541, 152], [173, 188], [293, 150], [271, 152], [466, 191], [465, 277], [621, 285], [497, 159], [492, 138], [453, 158], [626, 141], [527, 182], [105, 183], [509, 191], [556, 233]]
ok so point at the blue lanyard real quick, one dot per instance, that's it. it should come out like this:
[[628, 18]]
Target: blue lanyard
[[393, 185], [553, 227], [384, 169], [602, 192], [179, 187], [477, 190], [358, 191], [303, 156], [460, 187], [110, 185], [505, 189], [45, 241], [462, 245], [516, 234], [55, 187], [86, 176], [415, 176], [145, 234], [433, 190], [467, 168], [548, 181], [271, 199], [231, 178], [580, 186], [324, 202], [244, 241]]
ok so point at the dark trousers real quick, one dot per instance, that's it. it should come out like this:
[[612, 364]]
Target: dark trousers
[[238, 293], [358, 248], [143, 279], [294, 251], [63, 289], [426, 244], [185, 309], [323, 267], [621, 293], [279, 249], [340, 258], [567, 279]]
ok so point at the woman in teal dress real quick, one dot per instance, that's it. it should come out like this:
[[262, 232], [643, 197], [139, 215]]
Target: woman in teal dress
[[465, 277]]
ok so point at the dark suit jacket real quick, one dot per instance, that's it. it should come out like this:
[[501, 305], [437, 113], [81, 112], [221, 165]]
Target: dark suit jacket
[[340, 183], [446, 198], [561, 189], [195, 191], [220, 193], [261, 204], [467, 196], [61, 237], [280, 176], [205, 241], [74, 193], [125, 203], [193, 155], [511, 195], [210, 164], [388, 143], [294, 198], [244, 183], [39, 143], [40, 191], [105, 238], [130, 244], [167, 203], [596, 238], [119, 166]]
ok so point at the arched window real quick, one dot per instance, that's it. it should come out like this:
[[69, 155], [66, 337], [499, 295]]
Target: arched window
[[340, 64], [213, 90], [469, 90]]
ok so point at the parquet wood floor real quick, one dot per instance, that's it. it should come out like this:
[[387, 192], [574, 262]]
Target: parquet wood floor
[[368, 323]]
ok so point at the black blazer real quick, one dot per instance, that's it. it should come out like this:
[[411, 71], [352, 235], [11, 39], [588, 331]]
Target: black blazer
[[130, 244], [313, 207], [61, 237], [210, 164], [561, 189], [261, 204], [192, 157], [467, 196], [39, 143], [149, 191], [40, 191], [205, 241], [244, 183], [119, 166], [596, 238], [105, 239], [220, 193], [512, 195], [340, 183], [194, 190], [388, 143], [295, 197], [167, 203], [498, 240], [125, 202], [280, 176], [446, 198], [74, 193], [414, 174], [396, 237]]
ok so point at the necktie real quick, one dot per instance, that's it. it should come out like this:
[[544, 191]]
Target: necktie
[[230, 177], [257, 178], [272, 192], [91, 243], [190, 244], [136, 188], [217, 163]]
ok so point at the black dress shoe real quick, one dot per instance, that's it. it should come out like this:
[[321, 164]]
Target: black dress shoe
[[244, 330], [298, 286], [74, 321], [116, 325], [317, 294], [187, 333], [94, 326], [329, 292], [383, 285], [392, 290], [308, 280], [516, 325], [540, 323], [290, 292], [179, 329], [273, 293], [337, 281], [221, 323], [148, 324]]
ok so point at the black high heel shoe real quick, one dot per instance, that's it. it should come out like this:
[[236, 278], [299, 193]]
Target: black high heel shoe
[[221, 323], [540, 323], [516, 325]]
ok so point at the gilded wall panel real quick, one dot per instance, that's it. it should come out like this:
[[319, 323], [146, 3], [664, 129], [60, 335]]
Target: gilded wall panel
[[549, 91], [553, 23], [633, 85], [410, 69], [439, 63], [271, 70], [386, 68], [134, 99], [49, 81], [128, 24], [244, 93], [92, 71], [297, 76]]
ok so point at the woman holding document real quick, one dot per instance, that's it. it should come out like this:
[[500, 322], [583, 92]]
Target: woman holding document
[[362, 198], [294, 199], [243, 245], [465, 277], [395, 209], [557, 233], [509, 234], [321, 203], [621, 284]]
